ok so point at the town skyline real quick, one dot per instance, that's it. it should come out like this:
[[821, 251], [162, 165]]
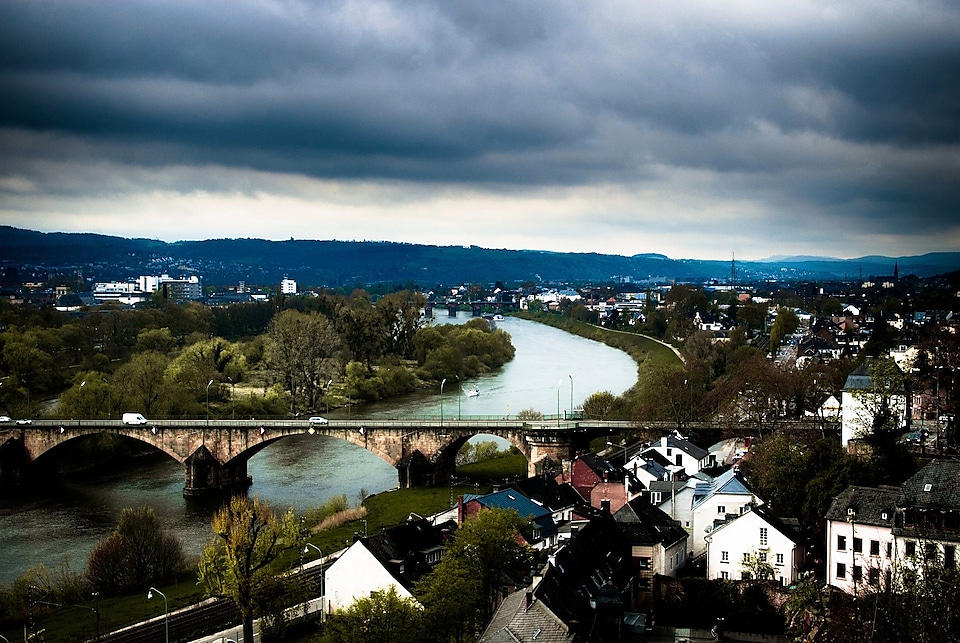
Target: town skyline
[[691, 130]]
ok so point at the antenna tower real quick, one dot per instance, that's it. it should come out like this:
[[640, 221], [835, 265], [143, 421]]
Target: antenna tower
[[733, 270]]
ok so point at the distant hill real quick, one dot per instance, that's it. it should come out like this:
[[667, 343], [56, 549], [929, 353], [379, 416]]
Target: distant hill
[[343, 263]]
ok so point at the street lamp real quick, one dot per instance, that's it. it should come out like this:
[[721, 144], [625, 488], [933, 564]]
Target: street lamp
[[559, 384], [571, 392], [624, 445], [306, 550], [208, 401], [166, 611], [233, 398], [442, 382]]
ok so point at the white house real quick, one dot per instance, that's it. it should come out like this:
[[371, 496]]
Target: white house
[[354, 575], [288, 286], [755, 535], [713, 504], [675, 498], [858, 402], [682, 453], [860, 536]]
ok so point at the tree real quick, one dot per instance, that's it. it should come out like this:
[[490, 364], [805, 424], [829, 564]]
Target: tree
[[384, 616], [306, 351], [884, 402], [598, 405], [138, 553], [486, 549], [141, 385], [450, 595], [785, 324], [238, 561]]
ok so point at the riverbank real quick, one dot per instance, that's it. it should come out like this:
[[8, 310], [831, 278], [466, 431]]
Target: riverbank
[[641, 348]]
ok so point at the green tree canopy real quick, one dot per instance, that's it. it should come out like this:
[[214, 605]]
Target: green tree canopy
[[237, 563]]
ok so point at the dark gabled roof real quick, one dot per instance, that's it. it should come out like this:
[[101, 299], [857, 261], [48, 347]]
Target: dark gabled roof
[[406, 544], [657, 457], [514, 622], [860, 379], [547, 491], [602, 467], [525, 507], [934, 487], [643, 524], [598, 554], [869, 504]]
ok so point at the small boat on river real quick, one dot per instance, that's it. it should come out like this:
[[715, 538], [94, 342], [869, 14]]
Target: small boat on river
[[474, 392]]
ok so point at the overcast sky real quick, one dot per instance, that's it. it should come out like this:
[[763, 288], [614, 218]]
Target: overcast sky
[[692, 129]]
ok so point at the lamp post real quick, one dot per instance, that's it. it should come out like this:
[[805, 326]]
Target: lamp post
[[559, 384], [306, 550], [624, 445], [233, 399], [442, 382], [166, 612], [571, 392], [460, 397], [208, 401]]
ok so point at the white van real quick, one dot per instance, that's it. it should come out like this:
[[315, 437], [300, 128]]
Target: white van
[[134, 418]]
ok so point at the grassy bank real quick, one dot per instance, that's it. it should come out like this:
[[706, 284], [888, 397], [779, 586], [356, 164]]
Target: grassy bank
[[640, 347]]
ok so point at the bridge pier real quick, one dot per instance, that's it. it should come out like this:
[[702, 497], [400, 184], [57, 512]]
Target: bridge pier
[[205, 476]]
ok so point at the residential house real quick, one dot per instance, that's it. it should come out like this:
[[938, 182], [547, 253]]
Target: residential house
[[859, 401], [598, 482], [398, 557], [543, 529], [584, 593], [873, 533], [682, 453], [859, 533], [658, 545], [927, 525], [713, 503], [675, 497], [755, 536], [564, 503]]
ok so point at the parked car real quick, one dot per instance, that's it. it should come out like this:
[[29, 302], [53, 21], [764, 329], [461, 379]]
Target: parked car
[[316, 419], [5, 419]]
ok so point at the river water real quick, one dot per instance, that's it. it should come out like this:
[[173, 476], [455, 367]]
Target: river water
[[61, 522]]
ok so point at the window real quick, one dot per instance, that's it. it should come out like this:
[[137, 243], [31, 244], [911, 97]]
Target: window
[[654, 497], [842, 543], [949, 556], [779, 559], [746, 557], [763, 557], [669, 452], [721, 509], [679, 459], [930, 551], [763, 536], [725, 575], [724, 557], [889, 550], [841, 570], [858, 545], [857, 573], [874, 547], [874, 576], [910, 548]]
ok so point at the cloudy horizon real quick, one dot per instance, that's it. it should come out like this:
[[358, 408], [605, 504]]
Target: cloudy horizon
[[693, 130]]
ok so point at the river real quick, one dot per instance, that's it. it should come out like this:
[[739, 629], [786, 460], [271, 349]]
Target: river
[[60, 523]]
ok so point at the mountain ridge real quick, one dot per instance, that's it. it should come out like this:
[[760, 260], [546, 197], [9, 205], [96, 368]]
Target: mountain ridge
[[336, 263]]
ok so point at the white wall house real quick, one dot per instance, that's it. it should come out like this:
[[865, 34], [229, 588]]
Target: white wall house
[[682, 453], [354, 575], [860, 536], [713, 502], [858, 403], [675, 498], [753, 535]]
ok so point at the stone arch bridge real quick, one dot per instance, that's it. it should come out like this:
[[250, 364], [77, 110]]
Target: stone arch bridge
[[215, 453]]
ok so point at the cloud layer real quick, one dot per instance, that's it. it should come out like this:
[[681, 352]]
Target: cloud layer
[[696, 129]]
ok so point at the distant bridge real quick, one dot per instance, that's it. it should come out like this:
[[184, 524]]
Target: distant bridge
[[215, 452]]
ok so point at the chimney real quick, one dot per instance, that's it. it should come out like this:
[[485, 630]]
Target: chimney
[[527, 600], [605, 505]]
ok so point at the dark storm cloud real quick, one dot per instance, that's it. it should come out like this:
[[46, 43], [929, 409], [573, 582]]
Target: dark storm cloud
[[804, 106]]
